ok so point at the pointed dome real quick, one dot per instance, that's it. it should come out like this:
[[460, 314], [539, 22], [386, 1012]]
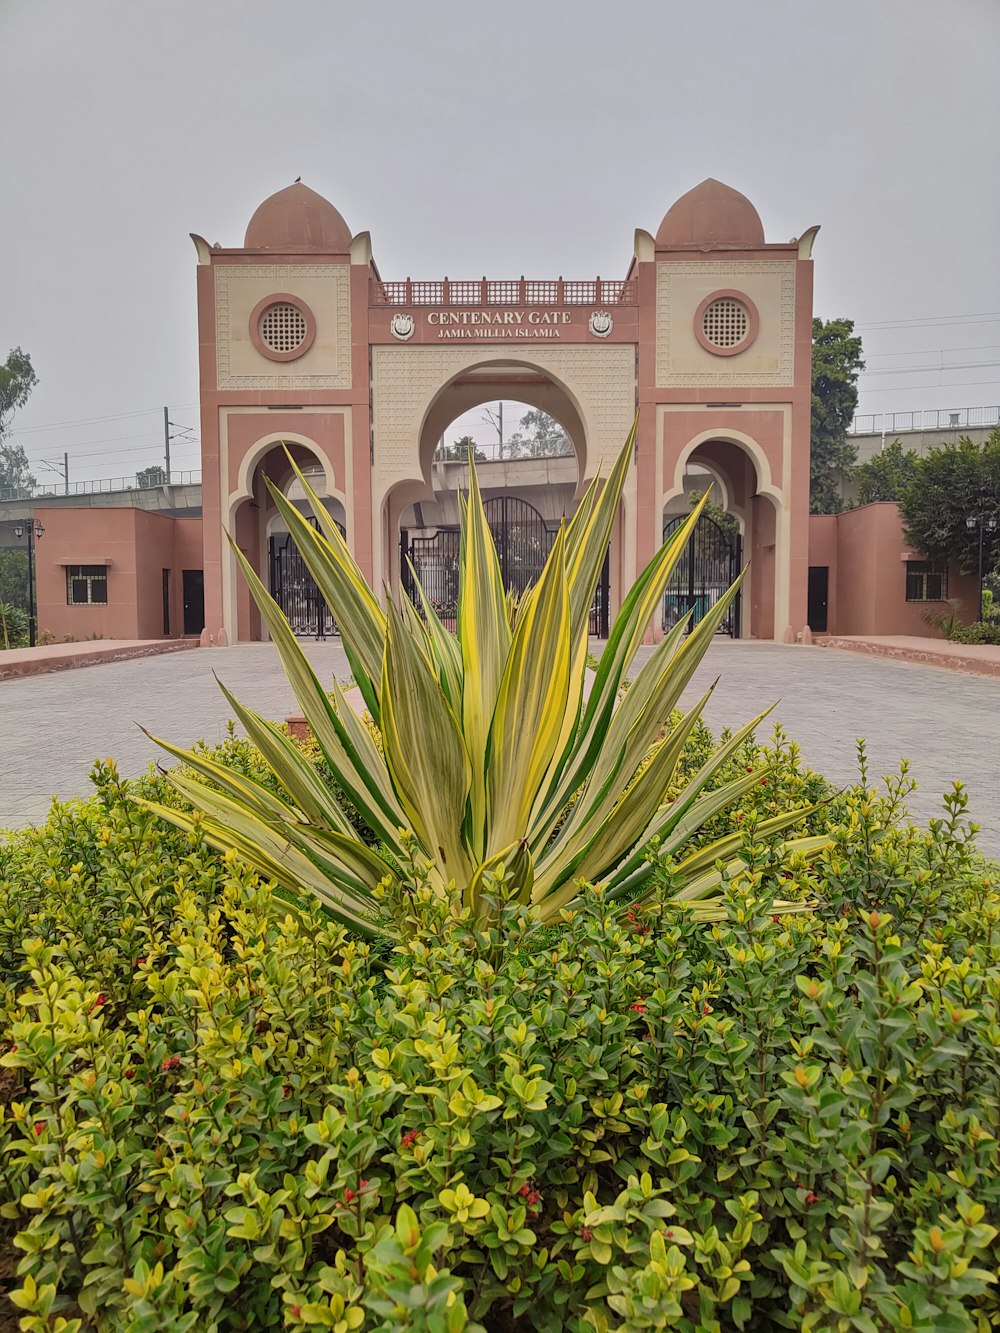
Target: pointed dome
[[298, 218], [712, 214]]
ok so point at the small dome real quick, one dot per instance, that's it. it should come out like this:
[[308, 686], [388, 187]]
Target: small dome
[[298, 218], [712, 214]]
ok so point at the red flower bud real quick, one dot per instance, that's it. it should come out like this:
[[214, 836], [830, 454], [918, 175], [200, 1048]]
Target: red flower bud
[[812, 1198], [362, 1184], [130, 1073], [101, 999], [586, 1233], [409, 1138], [171, 1062], [638, 1007], [39, 1126], [348, 1195], [296, 1310]]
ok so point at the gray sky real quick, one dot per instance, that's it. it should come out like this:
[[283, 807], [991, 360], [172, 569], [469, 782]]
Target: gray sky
[[529, 136]]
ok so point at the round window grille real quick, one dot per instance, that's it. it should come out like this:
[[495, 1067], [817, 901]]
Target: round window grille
[[726, 322], [283, 327]]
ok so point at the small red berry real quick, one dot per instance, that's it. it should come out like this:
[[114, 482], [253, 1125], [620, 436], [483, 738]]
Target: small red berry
[[39, 1126], [776, 918], [409, 1138], [348, 1195], [812, 1198], [524, 1191], [171, 1062], [130, 1073], [638, 1007], [101, 999]]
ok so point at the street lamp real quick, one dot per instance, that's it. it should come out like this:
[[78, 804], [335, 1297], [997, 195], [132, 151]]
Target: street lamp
[[34, 531], [990, 524]]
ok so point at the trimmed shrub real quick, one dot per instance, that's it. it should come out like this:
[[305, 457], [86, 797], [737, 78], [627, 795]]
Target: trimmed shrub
[[217, 1117]]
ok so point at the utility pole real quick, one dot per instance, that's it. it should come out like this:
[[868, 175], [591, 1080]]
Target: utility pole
[[166, 439], [66, 473]]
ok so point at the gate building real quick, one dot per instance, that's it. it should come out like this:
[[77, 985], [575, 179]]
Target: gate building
[[706, 332]]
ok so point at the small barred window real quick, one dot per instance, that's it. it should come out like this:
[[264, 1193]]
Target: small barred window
[[726, 322], [86, 585], [283, 327]]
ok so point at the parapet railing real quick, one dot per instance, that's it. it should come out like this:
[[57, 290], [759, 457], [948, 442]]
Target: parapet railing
[[505, 292], [954, 418], [101, 486]]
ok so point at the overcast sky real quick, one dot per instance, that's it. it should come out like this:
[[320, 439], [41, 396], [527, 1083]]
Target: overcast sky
[[527, 136]]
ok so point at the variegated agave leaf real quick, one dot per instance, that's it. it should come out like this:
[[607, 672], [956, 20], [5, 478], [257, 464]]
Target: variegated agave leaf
[[489, 756]]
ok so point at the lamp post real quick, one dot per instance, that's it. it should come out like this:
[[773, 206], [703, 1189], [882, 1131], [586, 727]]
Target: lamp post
[[34, 532], [981, 522]]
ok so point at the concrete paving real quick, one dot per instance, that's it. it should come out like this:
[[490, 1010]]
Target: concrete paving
[[947, 723]]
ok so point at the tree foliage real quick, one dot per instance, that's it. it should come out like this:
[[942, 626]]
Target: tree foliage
[[151, 476], [538, 436], [14, 576], [836, 364], [459, 451], [17, 379], [887, 475], [952, 483]]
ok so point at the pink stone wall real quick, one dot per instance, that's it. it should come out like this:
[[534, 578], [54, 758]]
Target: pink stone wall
[[866, 553], [136, 546]]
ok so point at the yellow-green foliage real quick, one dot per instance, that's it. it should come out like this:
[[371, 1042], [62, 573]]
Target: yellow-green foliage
[[216, 1118]]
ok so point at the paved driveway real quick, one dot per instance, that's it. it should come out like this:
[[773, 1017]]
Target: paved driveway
[[946, 723]]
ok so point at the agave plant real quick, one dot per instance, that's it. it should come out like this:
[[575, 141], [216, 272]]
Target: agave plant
[[484, 750]]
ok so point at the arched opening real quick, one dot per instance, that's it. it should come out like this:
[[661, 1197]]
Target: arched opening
[[262, 536], [529, 443], [742, 523]]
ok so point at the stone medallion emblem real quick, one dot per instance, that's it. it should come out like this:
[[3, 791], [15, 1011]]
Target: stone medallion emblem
[[600, 324], [401, 327]]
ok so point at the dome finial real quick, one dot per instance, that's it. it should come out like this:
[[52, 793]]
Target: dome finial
[[298, 219], [712, 214]]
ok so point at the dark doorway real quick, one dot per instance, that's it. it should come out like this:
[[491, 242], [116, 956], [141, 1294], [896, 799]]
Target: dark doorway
[[819, 597], [166, 603], [708, 567], [194, 600]]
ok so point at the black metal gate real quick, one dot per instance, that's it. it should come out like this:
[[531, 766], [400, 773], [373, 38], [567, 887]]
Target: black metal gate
[[523, 541], [295, 591], [708, 566]]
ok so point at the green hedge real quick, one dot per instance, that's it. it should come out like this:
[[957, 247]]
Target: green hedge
[[217, 1117]]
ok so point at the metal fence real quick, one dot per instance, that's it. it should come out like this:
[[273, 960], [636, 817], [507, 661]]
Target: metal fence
[[505, 292], [102, 486], [954, 418]]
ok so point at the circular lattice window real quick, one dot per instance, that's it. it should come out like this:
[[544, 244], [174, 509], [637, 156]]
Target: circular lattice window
[[283, 327], [726, 322]]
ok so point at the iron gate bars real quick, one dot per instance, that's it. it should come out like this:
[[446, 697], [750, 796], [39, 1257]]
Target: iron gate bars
[[523, 541], [295, 590], [709, 565]]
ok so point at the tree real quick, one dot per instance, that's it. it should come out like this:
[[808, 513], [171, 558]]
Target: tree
[[14, 576], [950, 484], [459, 451], [17, 379], [150, 476], [539, 436], [887, 475], [836, 365]]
